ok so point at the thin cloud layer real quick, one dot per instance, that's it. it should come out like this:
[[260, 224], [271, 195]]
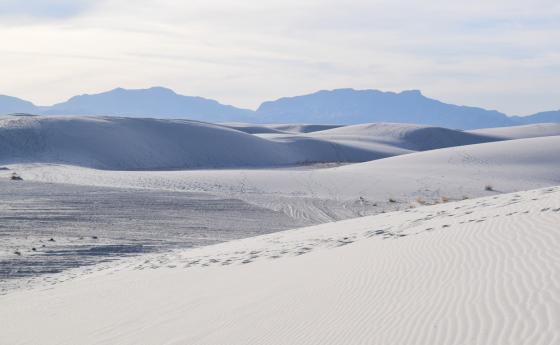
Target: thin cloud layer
[[496, 54]]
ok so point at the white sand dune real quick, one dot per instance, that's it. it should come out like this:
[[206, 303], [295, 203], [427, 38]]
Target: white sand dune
[[483, 271], [321, 195], [520, 132], [407, 136], [302, 128], [390, 137], [476, 271], [142, 144], [124, 143], [278, 128], [250, 128]]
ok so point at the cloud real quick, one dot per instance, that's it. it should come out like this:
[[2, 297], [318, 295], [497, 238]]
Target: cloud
[[43, 9], [245, 51]]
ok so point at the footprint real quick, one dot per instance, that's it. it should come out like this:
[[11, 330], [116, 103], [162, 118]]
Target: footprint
[[374, 233], [303, 250], [344, 241]]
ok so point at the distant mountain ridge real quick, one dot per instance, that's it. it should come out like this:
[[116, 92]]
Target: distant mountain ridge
[[155, 101], [10, 105], [543, 117], [339, 106], [349, 106]]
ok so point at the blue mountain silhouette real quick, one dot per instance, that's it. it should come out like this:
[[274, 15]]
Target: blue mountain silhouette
[[340, 106], [349, 106]]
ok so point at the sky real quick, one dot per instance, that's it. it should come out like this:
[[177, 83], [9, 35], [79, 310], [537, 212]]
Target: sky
[[496, 54]]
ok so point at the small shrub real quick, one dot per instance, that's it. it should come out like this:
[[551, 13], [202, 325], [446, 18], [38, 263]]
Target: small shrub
[[489, 188], [444, 199], [391, 200], [15, 177], [421, 201]]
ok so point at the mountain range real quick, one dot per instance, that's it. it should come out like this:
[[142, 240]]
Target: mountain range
[[340, 106]]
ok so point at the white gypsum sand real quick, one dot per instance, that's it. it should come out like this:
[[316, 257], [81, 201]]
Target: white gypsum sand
[[114, 143], [322, 195], [481, 271], [520, 132]]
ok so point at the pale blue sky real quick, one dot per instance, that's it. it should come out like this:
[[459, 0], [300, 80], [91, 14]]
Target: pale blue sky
[[53, 9], [496, 54]]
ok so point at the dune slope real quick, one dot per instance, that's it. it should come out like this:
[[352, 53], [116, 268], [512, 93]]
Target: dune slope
[[482, 271], [353, 190], [142, 144], [124, 143], [407, 136], [114, 143], [278, 128], [520, 132]]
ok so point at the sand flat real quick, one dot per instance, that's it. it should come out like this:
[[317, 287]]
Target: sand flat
[[481, 271]]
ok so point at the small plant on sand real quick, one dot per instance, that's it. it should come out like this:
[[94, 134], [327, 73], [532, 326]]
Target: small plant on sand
[[15, 177], [421, 201], [489, 188], [391, 200], [444, 199]]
